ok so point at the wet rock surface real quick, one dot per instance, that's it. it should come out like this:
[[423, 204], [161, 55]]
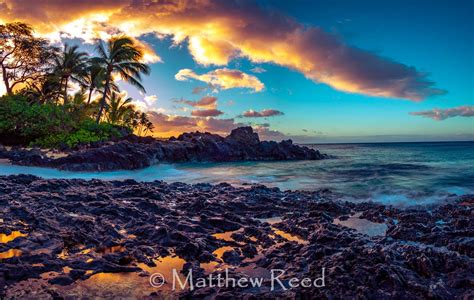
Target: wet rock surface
[[75, 238], [134, 152]]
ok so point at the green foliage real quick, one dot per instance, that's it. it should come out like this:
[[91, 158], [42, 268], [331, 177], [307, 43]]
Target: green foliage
[[47, 125], [43, 113], [86, 132], [26, 122]]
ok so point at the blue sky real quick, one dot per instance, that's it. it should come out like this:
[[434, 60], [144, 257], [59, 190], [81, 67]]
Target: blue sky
[[433, 37]]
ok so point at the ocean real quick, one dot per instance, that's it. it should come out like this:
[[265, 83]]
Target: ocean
[[389, 173]]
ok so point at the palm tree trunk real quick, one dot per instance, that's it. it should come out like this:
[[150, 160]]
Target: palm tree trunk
[[65, 90], [90, 95], [104, 97]]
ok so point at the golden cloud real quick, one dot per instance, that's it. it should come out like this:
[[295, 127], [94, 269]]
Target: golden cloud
[[218, 31], [223, 79]]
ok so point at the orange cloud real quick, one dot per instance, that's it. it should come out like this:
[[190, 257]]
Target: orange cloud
[[208, 102], [223, 79], [206, 113], [168, 125], [219, 31]]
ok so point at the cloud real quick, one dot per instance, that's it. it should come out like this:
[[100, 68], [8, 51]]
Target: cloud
[[218, 31], [208, 102], [261, 114], [258, 70], [439, 114], [168, 125], [199, 89], [3, 91], [148, 103], [149, 54], [223, 79], [206, 113], [151, 99]]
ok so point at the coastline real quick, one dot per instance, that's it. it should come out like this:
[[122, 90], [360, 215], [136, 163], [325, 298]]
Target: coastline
[[134, 152], [84, 229]]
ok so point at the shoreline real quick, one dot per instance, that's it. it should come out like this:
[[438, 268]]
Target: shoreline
[[81, 229], [134, 152]]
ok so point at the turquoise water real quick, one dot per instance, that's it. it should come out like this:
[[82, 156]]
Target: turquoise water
[[393, 173]]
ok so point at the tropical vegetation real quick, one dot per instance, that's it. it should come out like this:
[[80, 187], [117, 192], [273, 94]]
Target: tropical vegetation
[[62, 96]]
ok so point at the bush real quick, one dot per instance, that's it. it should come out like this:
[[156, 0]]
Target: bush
[[87, 132], [22, 122], [47, 125]]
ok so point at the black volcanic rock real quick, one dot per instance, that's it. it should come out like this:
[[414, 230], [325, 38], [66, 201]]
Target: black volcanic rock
[[244, 136], [70, 226], [134, 152]]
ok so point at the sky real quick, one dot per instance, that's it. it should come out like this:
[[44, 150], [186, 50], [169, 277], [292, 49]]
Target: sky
[[315, 71]]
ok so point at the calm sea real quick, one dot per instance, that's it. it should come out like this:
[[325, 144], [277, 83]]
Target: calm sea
[[392, 173]]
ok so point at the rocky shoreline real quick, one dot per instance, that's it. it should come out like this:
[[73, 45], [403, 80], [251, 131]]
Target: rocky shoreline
[[73, 238], [134, 152]]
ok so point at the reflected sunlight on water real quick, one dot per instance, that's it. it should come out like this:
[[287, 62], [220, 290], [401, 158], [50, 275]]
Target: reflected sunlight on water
[[6, 238], [10, 253]]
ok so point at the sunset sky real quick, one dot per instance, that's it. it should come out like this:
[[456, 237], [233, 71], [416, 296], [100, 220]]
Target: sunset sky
[[314, 71]]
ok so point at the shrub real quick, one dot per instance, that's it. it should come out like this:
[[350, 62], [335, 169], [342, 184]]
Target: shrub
[[48, 125], [87, 132], [22, 122]]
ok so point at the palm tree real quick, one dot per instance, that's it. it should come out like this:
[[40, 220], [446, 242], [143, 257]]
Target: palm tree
[[76, 108], [144, 125], [121, 57], [92, 79], [119, 109], [70, 64], [44, 90]]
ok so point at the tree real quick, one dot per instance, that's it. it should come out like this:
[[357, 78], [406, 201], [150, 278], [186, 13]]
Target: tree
[[119, 109], [93, 79], [23, 57], [70, 65], [144, 124], [121, 57], [140, 122], [46, 89]]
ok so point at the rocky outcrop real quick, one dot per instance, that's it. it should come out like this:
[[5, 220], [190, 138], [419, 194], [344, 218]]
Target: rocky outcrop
[[134, 153], [76, 229]]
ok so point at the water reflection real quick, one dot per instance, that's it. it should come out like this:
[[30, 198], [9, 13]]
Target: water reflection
[[290, 237], [227, 236], [10, 253], [363, 225], [6, 238]]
